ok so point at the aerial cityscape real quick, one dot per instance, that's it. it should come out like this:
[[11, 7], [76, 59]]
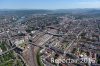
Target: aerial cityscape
[[49, 33]]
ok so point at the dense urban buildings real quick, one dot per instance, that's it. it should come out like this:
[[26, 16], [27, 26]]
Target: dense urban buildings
[[50, 37]]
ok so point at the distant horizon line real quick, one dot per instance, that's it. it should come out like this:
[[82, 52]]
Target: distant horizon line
[[44, 9]]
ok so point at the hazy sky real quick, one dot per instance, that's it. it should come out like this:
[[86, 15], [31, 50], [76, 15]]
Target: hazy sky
[[48, 4]]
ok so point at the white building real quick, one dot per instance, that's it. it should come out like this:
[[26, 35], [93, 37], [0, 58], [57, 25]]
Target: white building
[[18, 42], [0, 50]]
